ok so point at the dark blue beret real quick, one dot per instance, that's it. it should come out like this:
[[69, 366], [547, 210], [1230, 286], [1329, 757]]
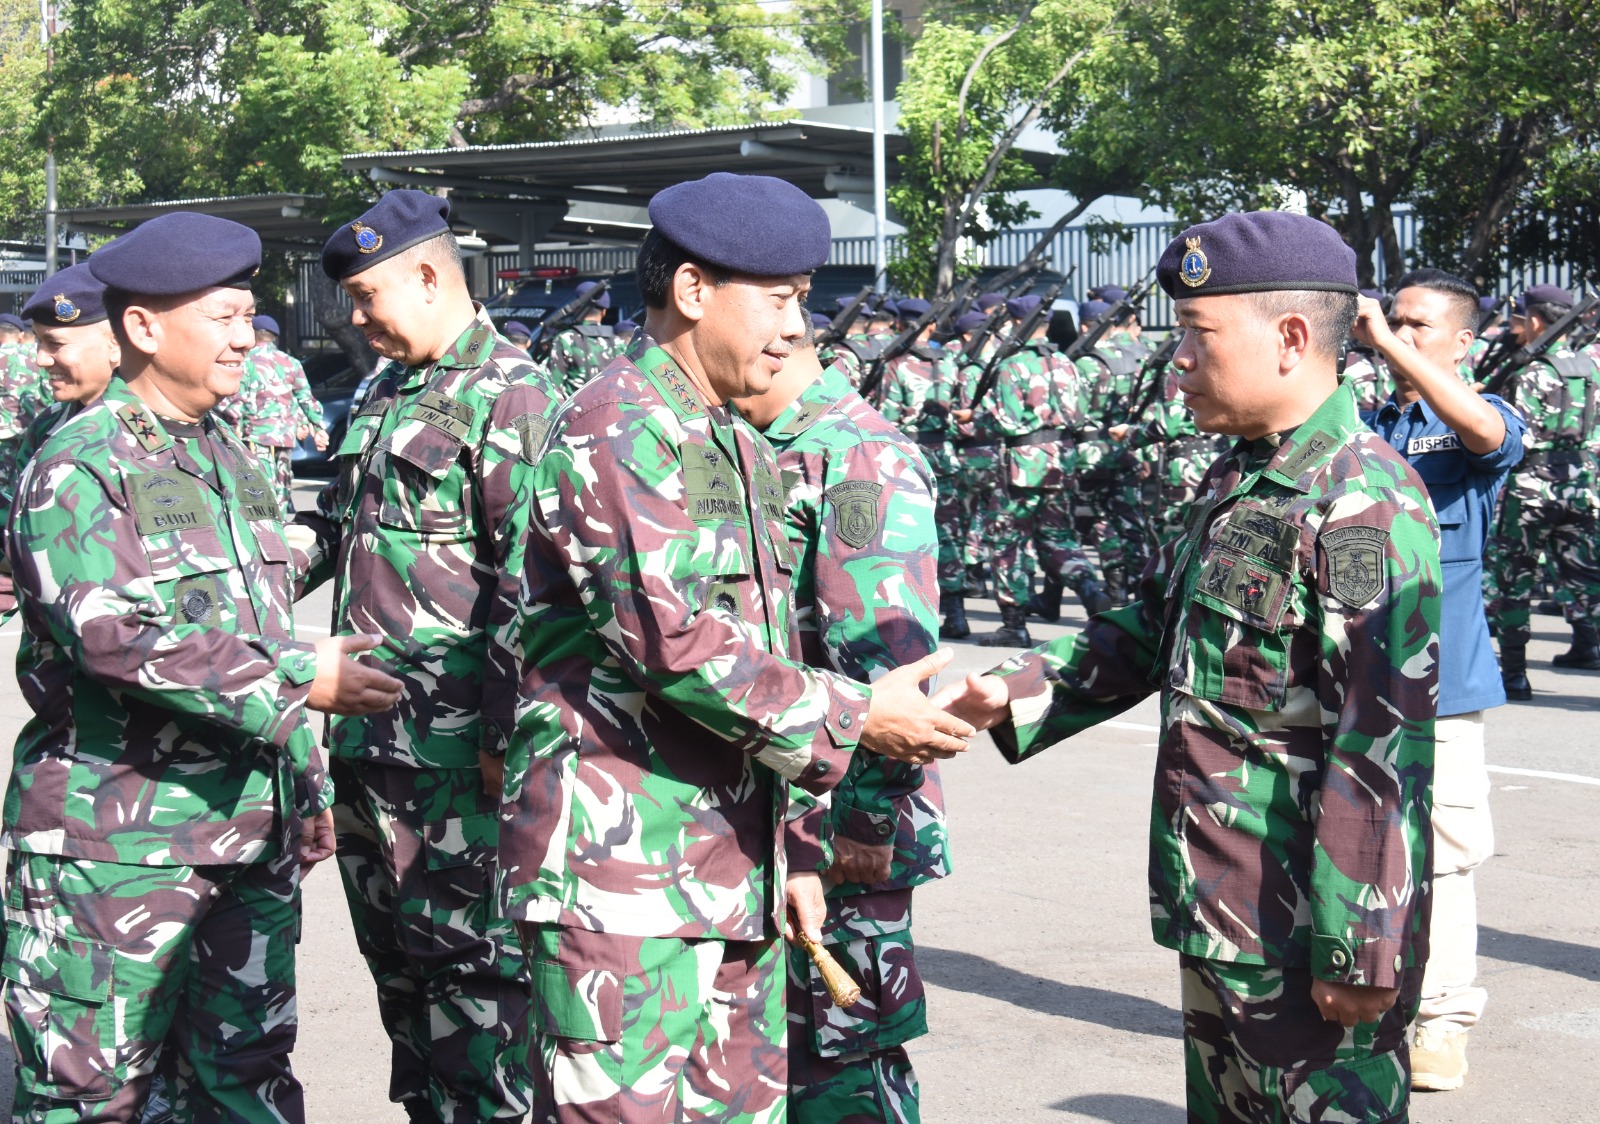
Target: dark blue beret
[[891, 308], [13, 322], [821, 320], [1111, 294], [1020, 307], [1519, 306], [755, 225], [626, 326], [1487, 304], [403, 218], [179, 252], [971, 321], [1375, 294], [265, 323], [1549, 294], [987, 301], [1257, 252], [1093, 310], [604, 300], [913, 307], [517, 328]]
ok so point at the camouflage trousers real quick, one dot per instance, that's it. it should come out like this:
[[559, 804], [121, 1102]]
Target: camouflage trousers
[[982, 498], [1043, 519], [417, 855], [1121, 527], [1256, 1050], [112, 968], [650, 1030], [950, 525], [1550, 527], [849, 1066], [280, 461]]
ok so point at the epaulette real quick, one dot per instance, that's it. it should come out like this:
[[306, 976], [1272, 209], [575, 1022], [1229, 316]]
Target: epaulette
[[150, 436]]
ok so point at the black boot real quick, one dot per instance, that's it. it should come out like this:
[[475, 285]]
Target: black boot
[[1013, 631], [1046, 604], [1514, 671], [1093, 597], [1117, 585], [955, 625], [1584, 655]]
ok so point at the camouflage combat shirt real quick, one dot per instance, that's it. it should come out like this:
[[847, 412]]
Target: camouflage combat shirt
[[866, 593], [659, 709], [426, 474], [159, 657], [1292, 633]]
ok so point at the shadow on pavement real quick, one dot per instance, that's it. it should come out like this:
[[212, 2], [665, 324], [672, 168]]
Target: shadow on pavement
[[1547, 700], [1578, 960], [962, 971], [1120, 1108]]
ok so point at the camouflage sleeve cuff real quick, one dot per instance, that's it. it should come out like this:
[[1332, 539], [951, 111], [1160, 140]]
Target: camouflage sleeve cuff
[[806, 840], [1350, 960], [821, 764], [873, 828], [297, 667]]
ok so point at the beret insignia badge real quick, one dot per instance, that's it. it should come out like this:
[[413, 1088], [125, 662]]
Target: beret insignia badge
[[368, 241], [66, 311], [1194, 269]]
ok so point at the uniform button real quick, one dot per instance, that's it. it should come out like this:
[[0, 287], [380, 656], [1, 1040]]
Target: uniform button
[[885, 830], [844, 721], [1175, 678], [823, 767], [282, 704], [1398, 963], [1337, 958]]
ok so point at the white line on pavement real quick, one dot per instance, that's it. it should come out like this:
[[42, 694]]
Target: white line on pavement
[[1573, 777]]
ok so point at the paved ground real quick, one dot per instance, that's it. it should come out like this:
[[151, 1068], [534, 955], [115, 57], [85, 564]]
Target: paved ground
[[1049, 1001]]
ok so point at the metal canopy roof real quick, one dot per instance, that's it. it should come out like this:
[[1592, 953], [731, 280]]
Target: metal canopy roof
[[821, 159], [284, 221]]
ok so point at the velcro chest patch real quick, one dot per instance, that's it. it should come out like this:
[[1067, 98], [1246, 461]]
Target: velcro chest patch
[[167, 500], [711, 485], [443, 413]]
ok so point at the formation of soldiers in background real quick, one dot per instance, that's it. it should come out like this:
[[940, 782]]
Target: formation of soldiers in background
[[1048, 437]]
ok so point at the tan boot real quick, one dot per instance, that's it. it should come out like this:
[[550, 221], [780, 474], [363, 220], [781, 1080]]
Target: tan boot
[[1438, 1060]]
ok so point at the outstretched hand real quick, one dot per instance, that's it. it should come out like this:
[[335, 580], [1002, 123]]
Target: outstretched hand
[[981, 700], [903, 724], [347, 686]]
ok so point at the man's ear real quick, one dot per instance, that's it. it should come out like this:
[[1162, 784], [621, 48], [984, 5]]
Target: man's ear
[[428, 274], [142, 328], [1294, 341], [691, 289]]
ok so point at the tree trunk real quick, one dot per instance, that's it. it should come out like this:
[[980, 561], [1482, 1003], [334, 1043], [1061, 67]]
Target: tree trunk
[[334, 321], [1520, 141]]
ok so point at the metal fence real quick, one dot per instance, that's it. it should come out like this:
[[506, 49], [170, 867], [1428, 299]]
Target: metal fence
[[1103, 254]]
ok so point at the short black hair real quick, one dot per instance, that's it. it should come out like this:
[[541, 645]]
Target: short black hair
[[1330, 314], [1547, 311], [658, 263], [117, 302], [1462, 293]]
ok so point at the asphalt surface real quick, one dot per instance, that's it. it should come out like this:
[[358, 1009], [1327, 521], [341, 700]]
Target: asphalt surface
[[1048, 999]]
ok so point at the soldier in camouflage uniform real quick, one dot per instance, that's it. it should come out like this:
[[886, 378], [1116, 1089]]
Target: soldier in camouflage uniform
[[1108, 472], [1174, 452], [656, 716], [579, 353], [23, 392], [915, 396], [1036, 408], [168, 793], [425, 479], [274, 410], [1293, 633], [860, 520], [1550, 521], [77, 352]]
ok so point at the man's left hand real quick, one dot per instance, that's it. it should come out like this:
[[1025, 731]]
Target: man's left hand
[[1349, 1004], [806, 905], [316, 840]]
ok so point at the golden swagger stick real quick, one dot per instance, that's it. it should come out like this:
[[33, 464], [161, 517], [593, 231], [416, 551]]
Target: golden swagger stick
[[841, 987]]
